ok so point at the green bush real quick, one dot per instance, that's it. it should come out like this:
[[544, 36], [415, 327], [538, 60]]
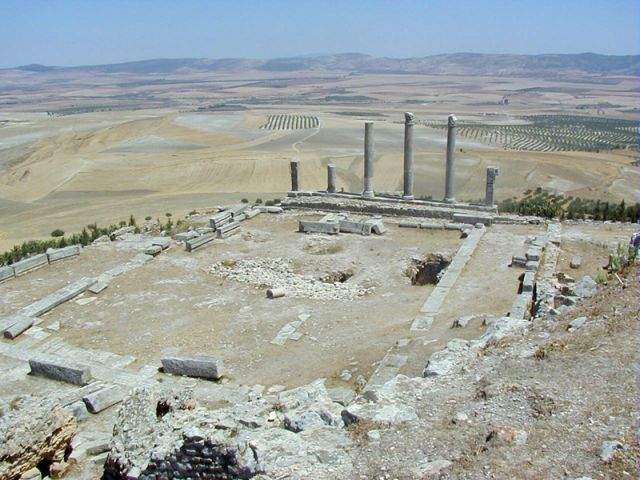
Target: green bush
[[57, 233], [244, 200], [258, 201]]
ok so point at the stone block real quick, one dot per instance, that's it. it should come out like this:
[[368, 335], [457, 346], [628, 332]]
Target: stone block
[[29, 264], [534, 254], [518, 261], [153, 250], [347, 226], [62, 372], [265, 209], [220, 219], [200, 366], [240, 217], [531, 266], [18, 325], [236, 210], [249, 214], [408, 224], [57, 298], [55, 254], [229, 229], [318, 227], [431, 226], [486, 220], [162, 242], [377, 226], [103, 398], [205, 230], [456, 226], [6, 273], [191, 245], [185, 236], [576, 261], [98, 287], [528, 281], [79, 410]]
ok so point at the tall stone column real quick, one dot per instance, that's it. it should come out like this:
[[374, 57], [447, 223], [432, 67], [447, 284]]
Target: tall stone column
[[408, 156], [492, 173], [368, 160], [295, 175], [451, 155], [331, 178]]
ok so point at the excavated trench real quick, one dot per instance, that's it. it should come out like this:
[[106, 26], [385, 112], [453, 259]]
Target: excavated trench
[[427, 270]]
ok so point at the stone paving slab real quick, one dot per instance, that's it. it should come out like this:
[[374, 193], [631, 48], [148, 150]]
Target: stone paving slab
[[29, 264]]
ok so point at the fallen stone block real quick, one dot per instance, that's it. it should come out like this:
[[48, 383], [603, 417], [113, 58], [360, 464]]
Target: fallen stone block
[[20, 325], [473, 219], [57, 298], [586, 287], [388, 413], [520, 306], [162, 242], [56, 254], [355, 227], [408, 224], [98, 287], [141, 258], [122, 231], [62, 372], [576, 262], [103, 398], [518, 261], [265, 209], [229, 229], [6, 273], [318, 227], [240, 217], [377, 226], [220, 219], [29, 264], [236, 210], [431, 226], [79, 410], [249, 214], [185, 236], [191, 245], [204, 230], [342, 395], [534, 254], [153, 250], [200, 366], [532, 266]]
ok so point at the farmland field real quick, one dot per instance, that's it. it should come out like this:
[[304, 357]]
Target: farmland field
[[290, 122], [554, 133]]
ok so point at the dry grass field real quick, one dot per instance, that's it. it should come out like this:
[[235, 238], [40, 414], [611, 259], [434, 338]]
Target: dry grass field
[[77, 147]]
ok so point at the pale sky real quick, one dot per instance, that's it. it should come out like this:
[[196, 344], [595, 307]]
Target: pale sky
[[89, 32]]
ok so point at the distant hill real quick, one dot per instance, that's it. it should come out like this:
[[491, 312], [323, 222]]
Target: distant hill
[[457, 63]]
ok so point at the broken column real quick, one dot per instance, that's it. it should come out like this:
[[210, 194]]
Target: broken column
[[331, 178], [451, 153], [368, 160], [408, 156], [295, 172], [492, 173]]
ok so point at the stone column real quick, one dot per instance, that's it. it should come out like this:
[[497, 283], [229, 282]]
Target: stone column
[[451, 154], [368, 160], [331, 178], [408, 156], [492, 173], [295, 176]]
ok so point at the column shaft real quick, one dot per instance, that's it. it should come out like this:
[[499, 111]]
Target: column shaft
[[295, 179], [331, 178], [368, 160], [408, 156], [449, 195]]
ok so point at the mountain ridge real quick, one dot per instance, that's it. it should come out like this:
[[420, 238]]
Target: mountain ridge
[[461, 63]]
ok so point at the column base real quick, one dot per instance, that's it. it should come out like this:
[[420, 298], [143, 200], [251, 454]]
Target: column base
[[292, 193], [449, 200], [408, 197], [368, 194]]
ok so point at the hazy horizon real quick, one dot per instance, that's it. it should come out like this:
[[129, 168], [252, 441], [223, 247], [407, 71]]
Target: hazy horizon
[[75, 32]]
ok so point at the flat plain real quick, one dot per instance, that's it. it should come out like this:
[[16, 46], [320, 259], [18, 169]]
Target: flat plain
[[80, 146]]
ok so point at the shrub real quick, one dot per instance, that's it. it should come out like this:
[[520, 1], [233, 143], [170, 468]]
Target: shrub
[[258, 201], [244, 200], [57, 233], [148, 218]]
